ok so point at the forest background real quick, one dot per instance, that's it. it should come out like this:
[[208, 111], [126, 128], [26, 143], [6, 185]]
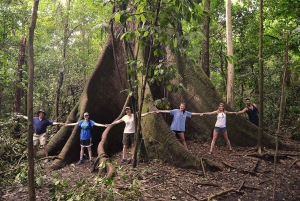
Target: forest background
[[68, 40]]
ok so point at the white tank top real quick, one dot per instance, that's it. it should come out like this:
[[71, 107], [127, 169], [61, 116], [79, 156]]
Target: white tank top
[[221, 120]]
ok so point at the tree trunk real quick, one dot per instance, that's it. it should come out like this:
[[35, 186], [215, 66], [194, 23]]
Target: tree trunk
[[21, 62], [261, 79], [31, 188], [205, 43], [230, 77], [102, 98]]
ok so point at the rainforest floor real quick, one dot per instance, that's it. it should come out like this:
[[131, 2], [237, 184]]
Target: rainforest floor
[[246, 176]]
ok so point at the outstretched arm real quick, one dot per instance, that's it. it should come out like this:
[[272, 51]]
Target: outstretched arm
[[162, 111], [242, 111], [117, 122], [58, 123], [208, 113], [226, 112], [71, 124], [145, 114], [23, 116], [102, 125], [193, 113]]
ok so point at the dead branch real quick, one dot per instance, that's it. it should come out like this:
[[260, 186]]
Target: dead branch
[[221, 193], [240, 170], [203, 169], [250, 187], [186, 191], [295, 161], [262, 182], [207, 184], [241, 186], [255, 166]]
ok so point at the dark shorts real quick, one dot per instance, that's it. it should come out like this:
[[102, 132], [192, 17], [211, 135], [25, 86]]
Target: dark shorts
[[86, 143], [128, 138], [222, 130], [177, 133]]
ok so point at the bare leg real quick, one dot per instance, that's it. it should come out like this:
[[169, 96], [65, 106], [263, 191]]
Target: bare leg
[[34, 151], [215, 135], [181, 136], [124, 151], [132, 150], [45, 150], [225, 135], [81, 153], [90, 152]]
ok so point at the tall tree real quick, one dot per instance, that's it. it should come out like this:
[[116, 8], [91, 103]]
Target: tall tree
[[230, 73], [261, 78], [31, 188], [21, 62], [205, 42]]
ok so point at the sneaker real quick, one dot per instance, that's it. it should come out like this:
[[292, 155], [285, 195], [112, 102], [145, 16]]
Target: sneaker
[[46, 160], [123, 160], [79, 162], [91, 162], [210, 153]]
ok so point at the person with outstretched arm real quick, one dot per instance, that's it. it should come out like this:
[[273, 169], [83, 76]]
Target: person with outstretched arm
[[220, 126], [40, 124], [179, 119], [252, 110], [85, 135], [129, 131]]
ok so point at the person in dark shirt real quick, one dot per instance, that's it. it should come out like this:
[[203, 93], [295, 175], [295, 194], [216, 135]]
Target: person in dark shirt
[[252, 111], [40, 124]]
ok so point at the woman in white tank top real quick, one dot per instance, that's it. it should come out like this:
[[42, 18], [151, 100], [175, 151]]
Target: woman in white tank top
[[220, 126]]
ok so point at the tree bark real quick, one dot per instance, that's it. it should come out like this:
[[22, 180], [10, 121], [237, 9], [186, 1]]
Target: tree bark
[[21, 62], [31, 188], [205, 42], [230, 77]]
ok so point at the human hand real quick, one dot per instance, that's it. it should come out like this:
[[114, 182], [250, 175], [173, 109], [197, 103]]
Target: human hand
[[201, 114], [157, 111]]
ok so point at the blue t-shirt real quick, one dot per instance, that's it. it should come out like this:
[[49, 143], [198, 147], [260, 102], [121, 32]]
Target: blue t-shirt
[[178, 123], [85, 126], [40, 126]]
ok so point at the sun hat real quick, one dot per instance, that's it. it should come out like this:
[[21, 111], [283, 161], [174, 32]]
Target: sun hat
[[38, 112]]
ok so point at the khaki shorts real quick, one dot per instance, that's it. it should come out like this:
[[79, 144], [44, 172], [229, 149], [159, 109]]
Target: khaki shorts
[[39, 139]]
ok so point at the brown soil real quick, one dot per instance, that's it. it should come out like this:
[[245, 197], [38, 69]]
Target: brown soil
[[245, 176]]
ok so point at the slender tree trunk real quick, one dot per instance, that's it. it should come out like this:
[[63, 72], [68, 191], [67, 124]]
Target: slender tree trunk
[[261, 79], [61, 72], [21, 61], [280, 112], [31, 189], [230, 77], [205, 43]]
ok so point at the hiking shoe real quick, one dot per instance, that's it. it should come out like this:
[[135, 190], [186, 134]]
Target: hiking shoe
[[91, 162], [79, 162], [123, 160]]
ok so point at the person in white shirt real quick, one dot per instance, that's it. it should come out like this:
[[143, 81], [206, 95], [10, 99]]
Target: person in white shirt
[[129, 130], [220, 126]]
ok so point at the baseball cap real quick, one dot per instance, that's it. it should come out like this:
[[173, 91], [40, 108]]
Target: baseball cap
[[127, 108], [86, 114]]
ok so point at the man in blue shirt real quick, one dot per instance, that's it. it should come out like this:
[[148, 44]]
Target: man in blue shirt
[[40, 130], [178, 123]]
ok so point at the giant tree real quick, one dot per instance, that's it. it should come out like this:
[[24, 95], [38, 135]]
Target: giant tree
[[102, 99]]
